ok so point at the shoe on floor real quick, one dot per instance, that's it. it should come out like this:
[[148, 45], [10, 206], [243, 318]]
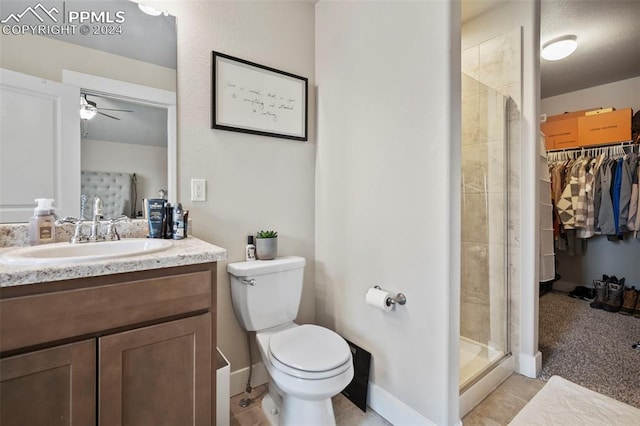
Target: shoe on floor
[[601, 293], [636, 311], [582, 292], [630, 299], [615, 293]]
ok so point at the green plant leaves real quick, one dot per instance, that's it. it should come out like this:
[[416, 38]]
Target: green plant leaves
[[267, 234]]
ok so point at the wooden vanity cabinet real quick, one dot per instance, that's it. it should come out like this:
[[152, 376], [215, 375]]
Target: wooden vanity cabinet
[[124, 349], [50, 387]]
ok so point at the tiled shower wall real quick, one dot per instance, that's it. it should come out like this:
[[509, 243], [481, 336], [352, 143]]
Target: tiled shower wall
[[491, 85]]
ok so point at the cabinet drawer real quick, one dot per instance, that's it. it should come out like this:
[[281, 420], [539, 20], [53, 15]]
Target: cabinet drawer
[[32, 320]]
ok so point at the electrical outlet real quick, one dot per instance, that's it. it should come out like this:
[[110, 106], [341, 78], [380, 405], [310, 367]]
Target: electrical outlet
[[198, 190]]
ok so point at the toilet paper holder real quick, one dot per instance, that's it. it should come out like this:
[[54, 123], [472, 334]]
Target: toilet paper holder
[[400, 298]]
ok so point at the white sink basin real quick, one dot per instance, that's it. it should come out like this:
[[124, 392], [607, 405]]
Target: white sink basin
[[83, 252]]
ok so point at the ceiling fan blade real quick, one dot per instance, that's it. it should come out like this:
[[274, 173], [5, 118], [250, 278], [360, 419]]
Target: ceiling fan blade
[[111, 109], [107, 115]]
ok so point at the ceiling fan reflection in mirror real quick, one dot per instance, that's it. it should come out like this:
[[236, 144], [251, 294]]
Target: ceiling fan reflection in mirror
[[89, 109]]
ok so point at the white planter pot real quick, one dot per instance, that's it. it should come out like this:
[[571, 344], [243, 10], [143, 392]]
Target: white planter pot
[[266, 248]]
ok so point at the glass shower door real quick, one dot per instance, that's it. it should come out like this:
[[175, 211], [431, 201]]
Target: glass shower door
[[484, 283]]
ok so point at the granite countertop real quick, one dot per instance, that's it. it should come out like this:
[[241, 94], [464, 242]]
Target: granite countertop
[[188, 251]]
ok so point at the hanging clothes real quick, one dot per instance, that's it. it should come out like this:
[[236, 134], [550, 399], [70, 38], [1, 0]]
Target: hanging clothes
[[594, 194]]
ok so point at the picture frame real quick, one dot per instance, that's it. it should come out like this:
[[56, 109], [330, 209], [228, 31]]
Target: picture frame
[[251, 98]]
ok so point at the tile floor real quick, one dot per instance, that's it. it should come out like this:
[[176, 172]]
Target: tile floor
[[502, 405], [497, 409], [346, 413]]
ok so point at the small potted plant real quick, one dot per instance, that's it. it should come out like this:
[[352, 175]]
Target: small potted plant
[[266, 245]]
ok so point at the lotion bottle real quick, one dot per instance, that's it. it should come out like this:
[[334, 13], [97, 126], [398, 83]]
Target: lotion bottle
[[250, 251], [42, 226]]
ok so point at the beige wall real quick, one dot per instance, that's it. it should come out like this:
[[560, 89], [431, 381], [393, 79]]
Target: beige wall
[[46, 58], [253, 182], [388, 196]]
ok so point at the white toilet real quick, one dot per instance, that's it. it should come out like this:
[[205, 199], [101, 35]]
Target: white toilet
[[307, 364]]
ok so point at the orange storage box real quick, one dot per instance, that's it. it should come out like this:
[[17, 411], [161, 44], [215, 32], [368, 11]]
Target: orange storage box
[[561, 130], [609, 127]]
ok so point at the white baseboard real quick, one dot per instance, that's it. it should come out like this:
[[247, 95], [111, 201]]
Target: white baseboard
[[530, 366], [238, 380], [392, 409]]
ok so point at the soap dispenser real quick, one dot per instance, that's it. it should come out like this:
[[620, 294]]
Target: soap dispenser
[[42, 226]]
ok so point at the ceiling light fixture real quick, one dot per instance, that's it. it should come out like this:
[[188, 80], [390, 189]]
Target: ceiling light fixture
[[148, 9], [559, 48]]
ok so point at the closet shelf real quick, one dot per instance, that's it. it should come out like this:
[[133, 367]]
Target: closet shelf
[[606, 145]]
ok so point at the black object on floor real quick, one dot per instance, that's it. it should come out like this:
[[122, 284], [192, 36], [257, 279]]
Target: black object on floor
[[547, 286], [357, 390], [582, 292]]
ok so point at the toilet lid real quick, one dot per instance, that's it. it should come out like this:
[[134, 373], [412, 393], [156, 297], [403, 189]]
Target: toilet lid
[[309, 348]]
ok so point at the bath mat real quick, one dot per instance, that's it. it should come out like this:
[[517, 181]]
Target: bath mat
[[563, 403]]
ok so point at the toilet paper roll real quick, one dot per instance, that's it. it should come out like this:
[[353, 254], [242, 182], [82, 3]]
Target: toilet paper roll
[[378, 299]]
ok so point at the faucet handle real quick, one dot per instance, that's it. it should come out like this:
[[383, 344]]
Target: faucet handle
[[112, 231], [77, 232]]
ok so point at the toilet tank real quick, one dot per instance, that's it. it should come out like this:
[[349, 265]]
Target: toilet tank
[[266, 293]]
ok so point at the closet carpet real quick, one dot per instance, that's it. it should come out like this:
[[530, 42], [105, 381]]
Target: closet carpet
[[590, 347]]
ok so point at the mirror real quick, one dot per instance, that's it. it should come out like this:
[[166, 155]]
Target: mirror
[[116, 57]]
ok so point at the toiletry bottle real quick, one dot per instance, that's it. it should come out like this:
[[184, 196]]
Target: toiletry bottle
[[178, 222], [168, 221], [42, 226], [155, 217], [250, 252]]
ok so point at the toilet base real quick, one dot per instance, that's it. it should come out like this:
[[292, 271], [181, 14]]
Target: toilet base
[[296, 412], [271, 410]]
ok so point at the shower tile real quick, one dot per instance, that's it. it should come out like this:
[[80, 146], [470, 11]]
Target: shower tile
[[514, 302], [513, 226], [474, 268], [492, 116], [470, 120], [470, 61], [497, 158], [474, 218], [475, 160], [513, 184], [512, 90], [500, 60], [497, 219], [497, 267], [474, 320]]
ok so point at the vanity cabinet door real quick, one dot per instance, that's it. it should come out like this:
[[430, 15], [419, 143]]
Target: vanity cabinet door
[[51, 387], [157, 375]]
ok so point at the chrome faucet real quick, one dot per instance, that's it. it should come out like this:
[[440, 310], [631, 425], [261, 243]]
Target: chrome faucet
[[95, 224]]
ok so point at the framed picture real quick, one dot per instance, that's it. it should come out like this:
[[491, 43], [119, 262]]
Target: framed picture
[[251, 98]]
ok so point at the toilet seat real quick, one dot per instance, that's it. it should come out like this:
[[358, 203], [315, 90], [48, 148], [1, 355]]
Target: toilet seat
[[309, 352]]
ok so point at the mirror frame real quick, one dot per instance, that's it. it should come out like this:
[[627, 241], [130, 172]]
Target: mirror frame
[[142, 94]]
